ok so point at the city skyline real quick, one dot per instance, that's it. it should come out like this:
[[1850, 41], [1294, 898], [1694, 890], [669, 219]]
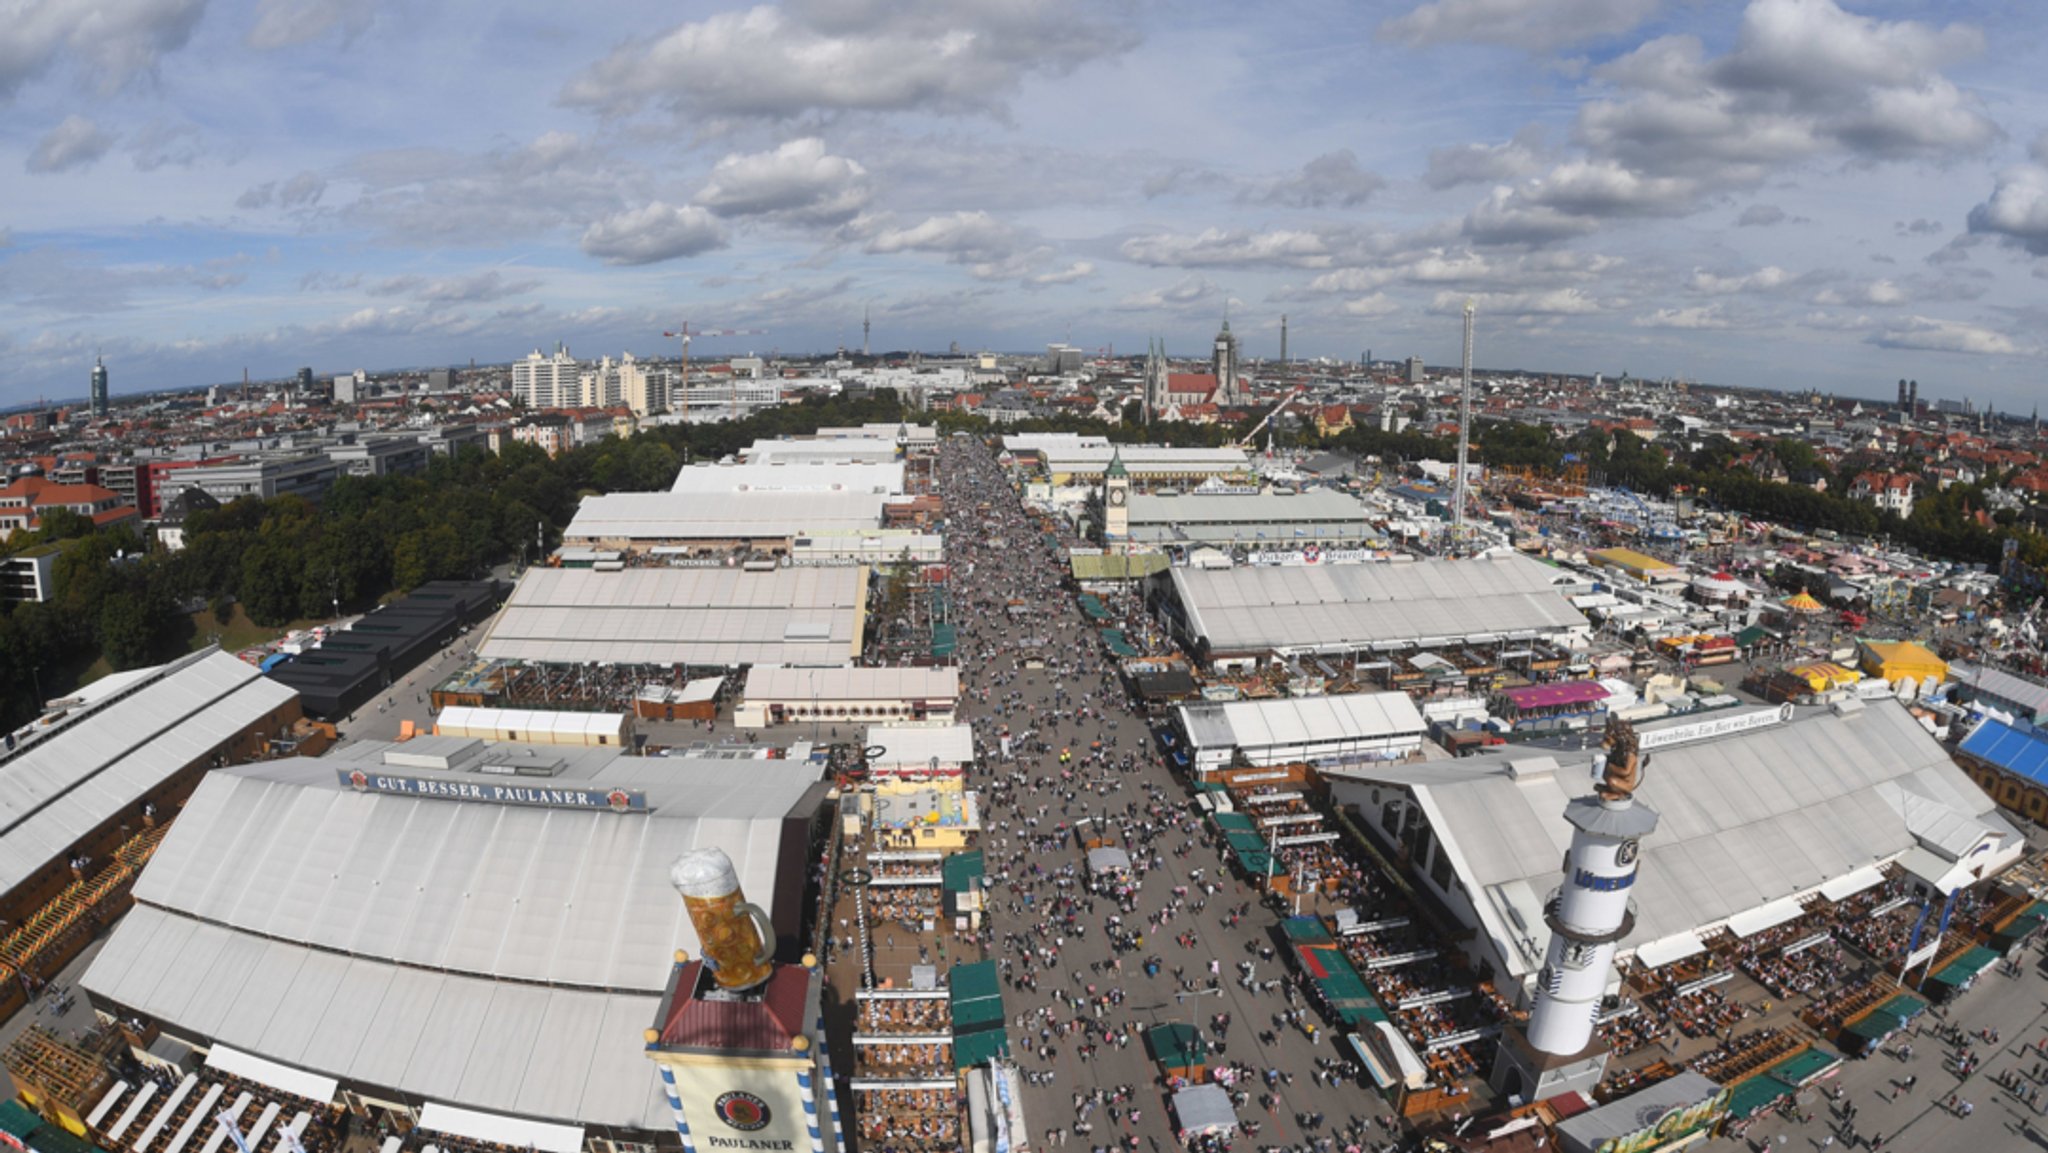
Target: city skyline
[[1784, 194]]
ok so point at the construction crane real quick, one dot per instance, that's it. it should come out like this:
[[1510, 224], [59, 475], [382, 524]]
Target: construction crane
[[684, 333], [1245, 442]]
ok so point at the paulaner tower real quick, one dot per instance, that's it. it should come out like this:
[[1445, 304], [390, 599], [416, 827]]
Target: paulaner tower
[[739, 1039], [1558, 1050]]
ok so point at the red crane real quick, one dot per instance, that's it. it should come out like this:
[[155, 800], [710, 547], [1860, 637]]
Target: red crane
[[686, 334]]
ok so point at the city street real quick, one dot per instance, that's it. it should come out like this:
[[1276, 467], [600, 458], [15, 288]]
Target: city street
[[1048, 932]]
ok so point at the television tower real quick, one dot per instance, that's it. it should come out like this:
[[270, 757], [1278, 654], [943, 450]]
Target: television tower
[[866, 322], [1283, 338], [1558, 1050], [1464, 437]]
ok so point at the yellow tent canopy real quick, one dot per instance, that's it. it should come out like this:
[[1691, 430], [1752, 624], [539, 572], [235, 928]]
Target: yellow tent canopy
[[1895, 660], [1824, 676], [1804, 603]]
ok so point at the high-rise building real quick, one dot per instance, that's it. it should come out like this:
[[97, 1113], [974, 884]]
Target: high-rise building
[[305, 383], [99, 387], [1558, 1051], [612, 383], [547, 381], [1415, 373]]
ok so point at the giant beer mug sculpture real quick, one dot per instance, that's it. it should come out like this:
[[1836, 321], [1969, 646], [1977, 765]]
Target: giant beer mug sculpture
[[735, 934]]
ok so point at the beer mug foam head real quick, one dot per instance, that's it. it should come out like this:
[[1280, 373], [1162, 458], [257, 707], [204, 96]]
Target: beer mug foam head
[[704, 874]]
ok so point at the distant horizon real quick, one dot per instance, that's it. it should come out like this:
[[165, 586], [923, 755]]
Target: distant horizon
[[1884, 399], [1819, 195]]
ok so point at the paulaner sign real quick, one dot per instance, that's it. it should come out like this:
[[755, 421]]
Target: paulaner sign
[[494, 793]]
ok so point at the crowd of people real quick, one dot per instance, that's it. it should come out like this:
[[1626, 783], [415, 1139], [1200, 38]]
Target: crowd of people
[[1072, 952]]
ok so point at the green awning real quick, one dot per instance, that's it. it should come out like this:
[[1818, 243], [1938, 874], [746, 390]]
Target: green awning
[[1118, 643], [1306, 930], [1757, 1093], [1876, 1025], [1905, 1006], [1176, 1045], [945, 639], [1751, 636], [961, 870], [1804, 1067], [56, 1139], [979, 1047], [975, 994], [976, 998], [2030, 919], [1963, 969], [1332, 973], [18, 1120]]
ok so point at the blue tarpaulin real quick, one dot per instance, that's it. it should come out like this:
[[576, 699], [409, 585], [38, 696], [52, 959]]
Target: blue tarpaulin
[[2014, 750]]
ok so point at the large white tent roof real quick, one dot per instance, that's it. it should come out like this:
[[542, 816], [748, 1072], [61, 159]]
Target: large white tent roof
[[72, 776], [285, 850], [496, 956], [1301, 720], [1744, 821], [697, 616], [776, 683], [1350, 606], [788, 476], [751, 515], [531, 1050]]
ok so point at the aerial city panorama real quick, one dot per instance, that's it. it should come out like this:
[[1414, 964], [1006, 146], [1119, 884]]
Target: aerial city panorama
[[1000, 576]]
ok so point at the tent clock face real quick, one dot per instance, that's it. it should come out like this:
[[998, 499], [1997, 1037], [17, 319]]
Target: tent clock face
[[1116, 496], [1626, 854]]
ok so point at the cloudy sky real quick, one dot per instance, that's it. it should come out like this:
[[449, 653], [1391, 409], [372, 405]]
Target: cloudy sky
[[1788, 193]]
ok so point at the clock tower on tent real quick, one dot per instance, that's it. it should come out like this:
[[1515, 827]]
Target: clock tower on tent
[[1116, 499]]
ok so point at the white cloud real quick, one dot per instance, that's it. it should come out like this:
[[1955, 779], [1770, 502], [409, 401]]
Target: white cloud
[[1537, 25], [434, 196], [75, 143], [1077, 271], [1551, 302], [476, 288], [1507, 217], [1217, 248], [1804, 81], [1760, 216], [282, 23], [798, 181], [301, 191], [1931, 335], [965, 237], [1187, 291], [1487, 163], [1878, 292], [110, 42], [2017, 212], [164, 143], [1707, 316], [1378, 304], [1762, 280], [780, 61], [653, 232], [1332, 180]]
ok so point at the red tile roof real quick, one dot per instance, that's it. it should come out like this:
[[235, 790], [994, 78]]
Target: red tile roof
[[764, 1022]]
